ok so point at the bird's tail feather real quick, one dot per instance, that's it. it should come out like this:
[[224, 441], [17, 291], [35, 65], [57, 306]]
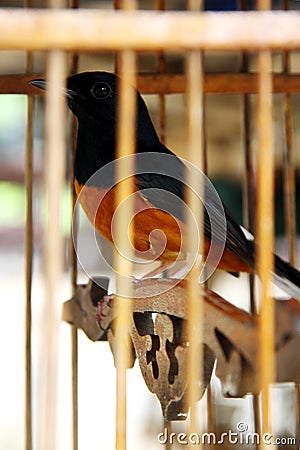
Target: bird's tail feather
[[286, 277]]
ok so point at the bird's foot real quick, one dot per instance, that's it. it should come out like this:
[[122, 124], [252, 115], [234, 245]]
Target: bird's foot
[[102, 306]]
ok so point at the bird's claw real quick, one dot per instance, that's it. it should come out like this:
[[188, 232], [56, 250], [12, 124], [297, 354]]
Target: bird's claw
[[103, 303]]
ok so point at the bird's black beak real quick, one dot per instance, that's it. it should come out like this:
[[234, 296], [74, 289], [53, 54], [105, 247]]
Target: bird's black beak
[[42, 84]]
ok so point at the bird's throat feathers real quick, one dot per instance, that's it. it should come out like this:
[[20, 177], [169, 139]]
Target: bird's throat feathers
[[95, 148], [96, 142]]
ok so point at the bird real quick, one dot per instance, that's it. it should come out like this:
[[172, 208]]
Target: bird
[[159, 193]]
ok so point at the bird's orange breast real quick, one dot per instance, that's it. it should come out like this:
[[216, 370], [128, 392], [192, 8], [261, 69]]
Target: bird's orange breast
[[100, 205]]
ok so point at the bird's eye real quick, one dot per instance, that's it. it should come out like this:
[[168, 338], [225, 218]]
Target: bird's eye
[[101, 90]]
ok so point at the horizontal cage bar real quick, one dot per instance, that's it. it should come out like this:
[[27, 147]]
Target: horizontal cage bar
[[84, 30], [219, 83]]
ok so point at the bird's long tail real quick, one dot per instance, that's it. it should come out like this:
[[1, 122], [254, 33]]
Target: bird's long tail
[[286, 277]]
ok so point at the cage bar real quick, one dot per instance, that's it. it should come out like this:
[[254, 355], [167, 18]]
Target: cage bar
[[265, 231], [54, 182], [289, 169], [28, 256], [73, 260], [123, 234], [124, 265], [165, 83], [195, 300], [126, 64], [160, 6], [29, 267], [169, 31], [195, 136]]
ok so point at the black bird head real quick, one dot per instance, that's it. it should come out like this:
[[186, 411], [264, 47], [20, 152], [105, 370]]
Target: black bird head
[[93, 99], [89, 94], [93, 96]]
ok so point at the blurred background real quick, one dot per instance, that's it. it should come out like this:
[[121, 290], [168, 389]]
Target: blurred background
[[225, 164]]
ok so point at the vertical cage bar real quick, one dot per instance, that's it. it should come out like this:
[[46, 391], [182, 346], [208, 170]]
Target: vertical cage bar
[[73, 275], [194, 74], [249, 203], [290, 187], [249, 200], [74, 4], [161, 66], [195, 303], [74, 344], [289, 167], [289, 182], [53, 242], [28, 256], [265, 227], [28, 259], [297, 401], [126, 64], [124, 265]]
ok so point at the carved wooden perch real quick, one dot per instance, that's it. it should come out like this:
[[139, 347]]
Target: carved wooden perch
[[230, 336]]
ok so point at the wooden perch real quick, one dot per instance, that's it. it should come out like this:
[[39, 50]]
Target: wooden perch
[[159, 343]]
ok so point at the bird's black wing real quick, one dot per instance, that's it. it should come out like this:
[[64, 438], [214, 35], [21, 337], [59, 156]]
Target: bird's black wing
[[156, 187]]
